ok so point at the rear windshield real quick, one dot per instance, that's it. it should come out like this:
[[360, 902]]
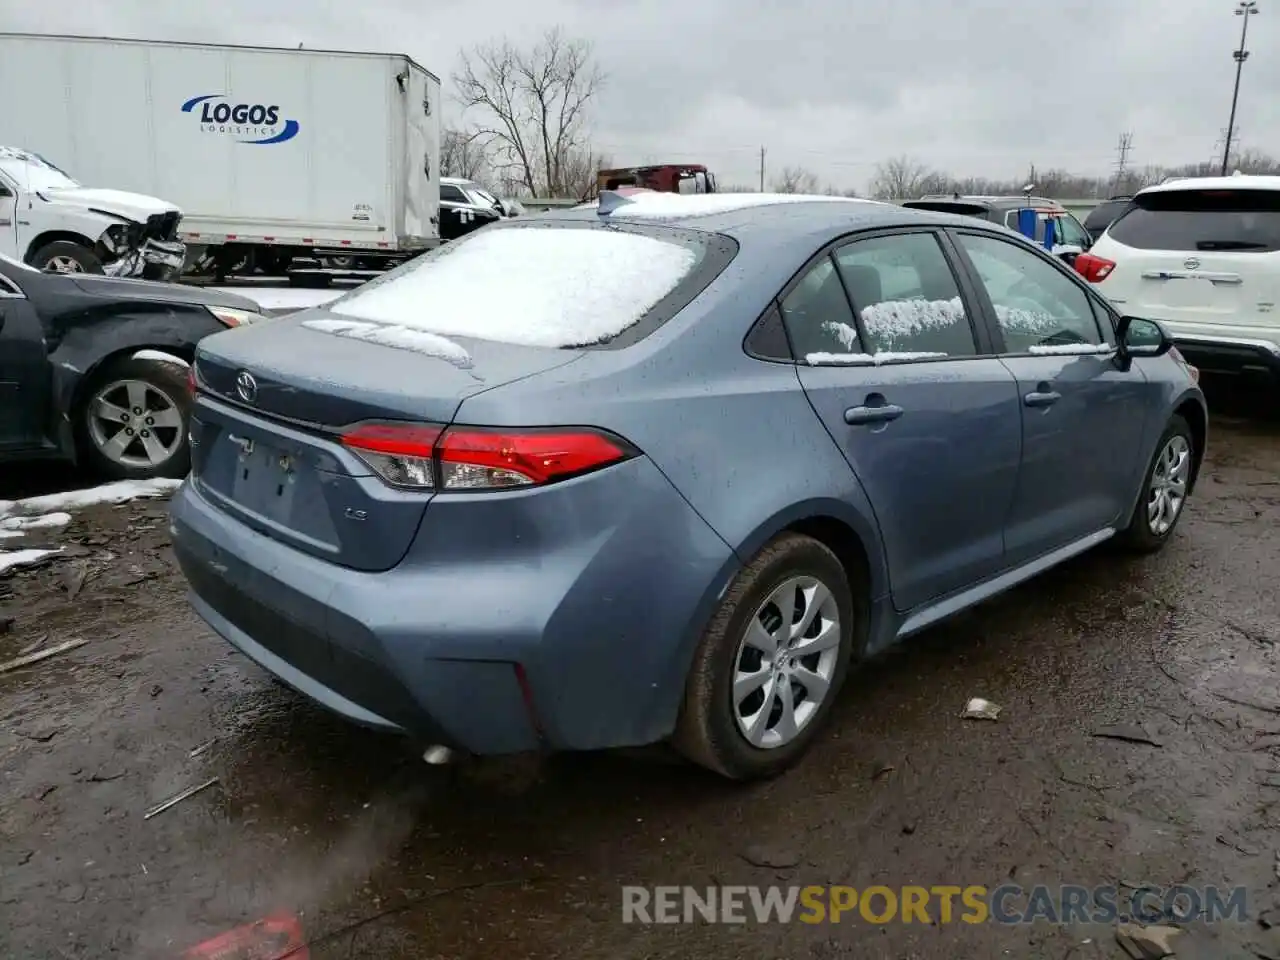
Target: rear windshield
[[547, 284], [1245, 221], [1103, 214]]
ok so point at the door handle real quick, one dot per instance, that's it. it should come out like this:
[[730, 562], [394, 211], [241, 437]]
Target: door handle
[[882, 413], [1042, 398]]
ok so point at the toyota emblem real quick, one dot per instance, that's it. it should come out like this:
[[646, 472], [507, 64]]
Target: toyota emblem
[[246, 386], [1191, 263]]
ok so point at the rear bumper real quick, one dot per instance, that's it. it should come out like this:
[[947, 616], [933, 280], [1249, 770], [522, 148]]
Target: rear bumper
[[1239, 356], [602, 614]]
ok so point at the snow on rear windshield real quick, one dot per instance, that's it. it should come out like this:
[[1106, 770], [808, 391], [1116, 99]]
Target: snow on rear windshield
[[671, 206], [533, 287]]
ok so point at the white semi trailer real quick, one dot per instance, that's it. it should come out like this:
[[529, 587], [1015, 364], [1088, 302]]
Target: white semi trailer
[[310, 162]]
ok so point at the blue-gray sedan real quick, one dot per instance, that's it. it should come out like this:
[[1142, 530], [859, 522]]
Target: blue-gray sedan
[[664, 468]]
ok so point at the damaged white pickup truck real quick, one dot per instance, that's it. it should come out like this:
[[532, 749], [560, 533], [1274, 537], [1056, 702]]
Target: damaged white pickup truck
[[51, 222]]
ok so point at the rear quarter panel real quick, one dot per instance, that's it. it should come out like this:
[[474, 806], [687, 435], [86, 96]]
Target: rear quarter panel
[[736, 436]]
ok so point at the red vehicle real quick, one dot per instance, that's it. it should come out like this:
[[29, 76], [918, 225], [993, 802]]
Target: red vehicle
[[664, 178]]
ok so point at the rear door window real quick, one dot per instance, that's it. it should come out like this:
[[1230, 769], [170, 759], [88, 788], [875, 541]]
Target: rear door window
[[1237, 221], [906, 297]]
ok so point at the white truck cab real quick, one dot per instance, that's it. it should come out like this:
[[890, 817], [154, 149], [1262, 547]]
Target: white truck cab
[[51, 222]]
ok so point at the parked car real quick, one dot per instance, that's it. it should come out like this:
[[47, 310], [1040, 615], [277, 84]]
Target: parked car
[[50, 221], [1201, 255], [1103, 215], [662, 470], [92, 368], [465, 206], [1070, 236]]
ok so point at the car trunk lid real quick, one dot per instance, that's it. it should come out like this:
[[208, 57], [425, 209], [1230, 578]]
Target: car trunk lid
[[274, 400]]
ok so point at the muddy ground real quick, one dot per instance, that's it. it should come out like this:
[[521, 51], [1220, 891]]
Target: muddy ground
[[383, 857]]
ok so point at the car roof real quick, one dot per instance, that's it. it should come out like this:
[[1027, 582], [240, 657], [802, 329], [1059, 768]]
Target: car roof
[[992, 201], [779, 219], [457, 181], [1237, 182]]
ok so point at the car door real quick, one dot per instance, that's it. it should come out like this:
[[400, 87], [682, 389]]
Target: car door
[[24, 371], [926, 417], [1082, 416]]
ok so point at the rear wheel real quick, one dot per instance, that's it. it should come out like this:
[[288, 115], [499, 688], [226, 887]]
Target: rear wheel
[[66, 256], [1164, 490], [133, 422], [771, 662]]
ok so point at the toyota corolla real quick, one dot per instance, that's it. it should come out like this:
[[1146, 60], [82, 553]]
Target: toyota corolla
[[665, 468]]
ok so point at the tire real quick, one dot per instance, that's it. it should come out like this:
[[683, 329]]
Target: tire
[[1144, 535], [163, 388], [66, 253], [709, 731]]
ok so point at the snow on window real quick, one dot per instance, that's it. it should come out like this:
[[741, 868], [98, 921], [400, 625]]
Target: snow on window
[[1026, 322], [660, 206], [847, 336], [392, 335], [884, 356], [1069, 349], [893, 321], [536, 287]]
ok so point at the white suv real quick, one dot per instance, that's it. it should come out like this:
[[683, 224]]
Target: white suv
[[1202, 256]]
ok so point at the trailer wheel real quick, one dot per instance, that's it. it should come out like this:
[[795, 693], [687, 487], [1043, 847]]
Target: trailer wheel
[[66, 256]]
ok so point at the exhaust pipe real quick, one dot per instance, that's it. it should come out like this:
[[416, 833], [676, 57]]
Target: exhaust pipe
[[437, 755]]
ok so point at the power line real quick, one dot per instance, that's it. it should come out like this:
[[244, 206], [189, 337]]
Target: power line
[[1122, 155]]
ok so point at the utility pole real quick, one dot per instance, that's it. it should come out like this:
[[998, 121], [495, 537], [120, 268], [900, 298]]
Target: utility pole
[[1244, 10], [1122, 157], [762, 169]]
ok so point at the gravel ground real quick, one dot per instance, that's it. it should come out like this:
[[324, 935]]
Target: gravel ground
[[383, 857]]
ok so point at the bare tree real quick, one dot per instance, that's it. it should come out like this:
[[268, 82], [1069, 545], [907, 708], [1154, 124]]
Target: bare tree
[[530, 106], [578, 174], [901, 178], [462, 154], [796, 180]]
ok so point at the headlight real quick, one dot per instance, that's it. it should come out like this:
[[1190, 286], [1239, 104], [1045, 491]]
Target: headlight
[[232, 317]]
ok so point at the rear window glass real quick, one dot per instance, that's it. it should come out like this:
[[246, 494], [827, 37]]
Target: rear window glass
[[1104, 213], [548, 285], [1245, 221]]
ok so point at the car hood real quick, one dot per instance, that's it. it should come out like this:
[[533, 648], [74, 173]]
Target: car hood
[[119, 203], [117, 288]]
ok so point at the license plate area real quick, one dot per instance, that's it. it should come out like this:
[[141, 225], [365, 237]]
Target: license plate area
[[266, 478]]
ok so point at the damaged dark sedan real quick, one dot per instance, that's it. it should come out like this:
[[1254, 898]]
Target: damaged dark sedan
[[94, 369]]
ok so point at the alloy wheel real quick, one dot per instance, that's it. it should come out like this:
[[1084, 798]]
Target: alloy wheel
[[135, 423], [1169, 481], [785, 662], [64, 264]]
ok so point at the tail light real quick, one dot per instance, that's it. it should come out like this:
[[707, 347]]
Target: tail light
[[192, 386], [427, 456], [1093, 268]]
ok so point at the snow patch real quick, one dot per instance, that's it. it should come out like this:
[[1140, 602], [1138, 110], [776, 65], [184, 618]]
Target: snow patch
[[119, 492], [667, 206], [13, 559], [847, 336], [556, 287], [1069, 349], [391, 335], [160, 355], [286, 298], [895, 320], [16, 526], [884, 356]]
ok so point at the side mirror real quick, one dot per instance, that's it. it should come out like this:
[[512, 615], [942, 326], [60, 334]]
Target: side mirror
[[1142, 338]]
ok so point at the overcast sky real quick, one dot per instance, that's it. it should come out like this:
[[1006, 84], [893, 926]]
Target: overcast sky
[[983, 87]]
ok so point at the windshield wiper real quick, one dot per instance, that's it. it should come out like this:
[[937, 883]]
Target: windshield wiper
[[1229, 245]]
